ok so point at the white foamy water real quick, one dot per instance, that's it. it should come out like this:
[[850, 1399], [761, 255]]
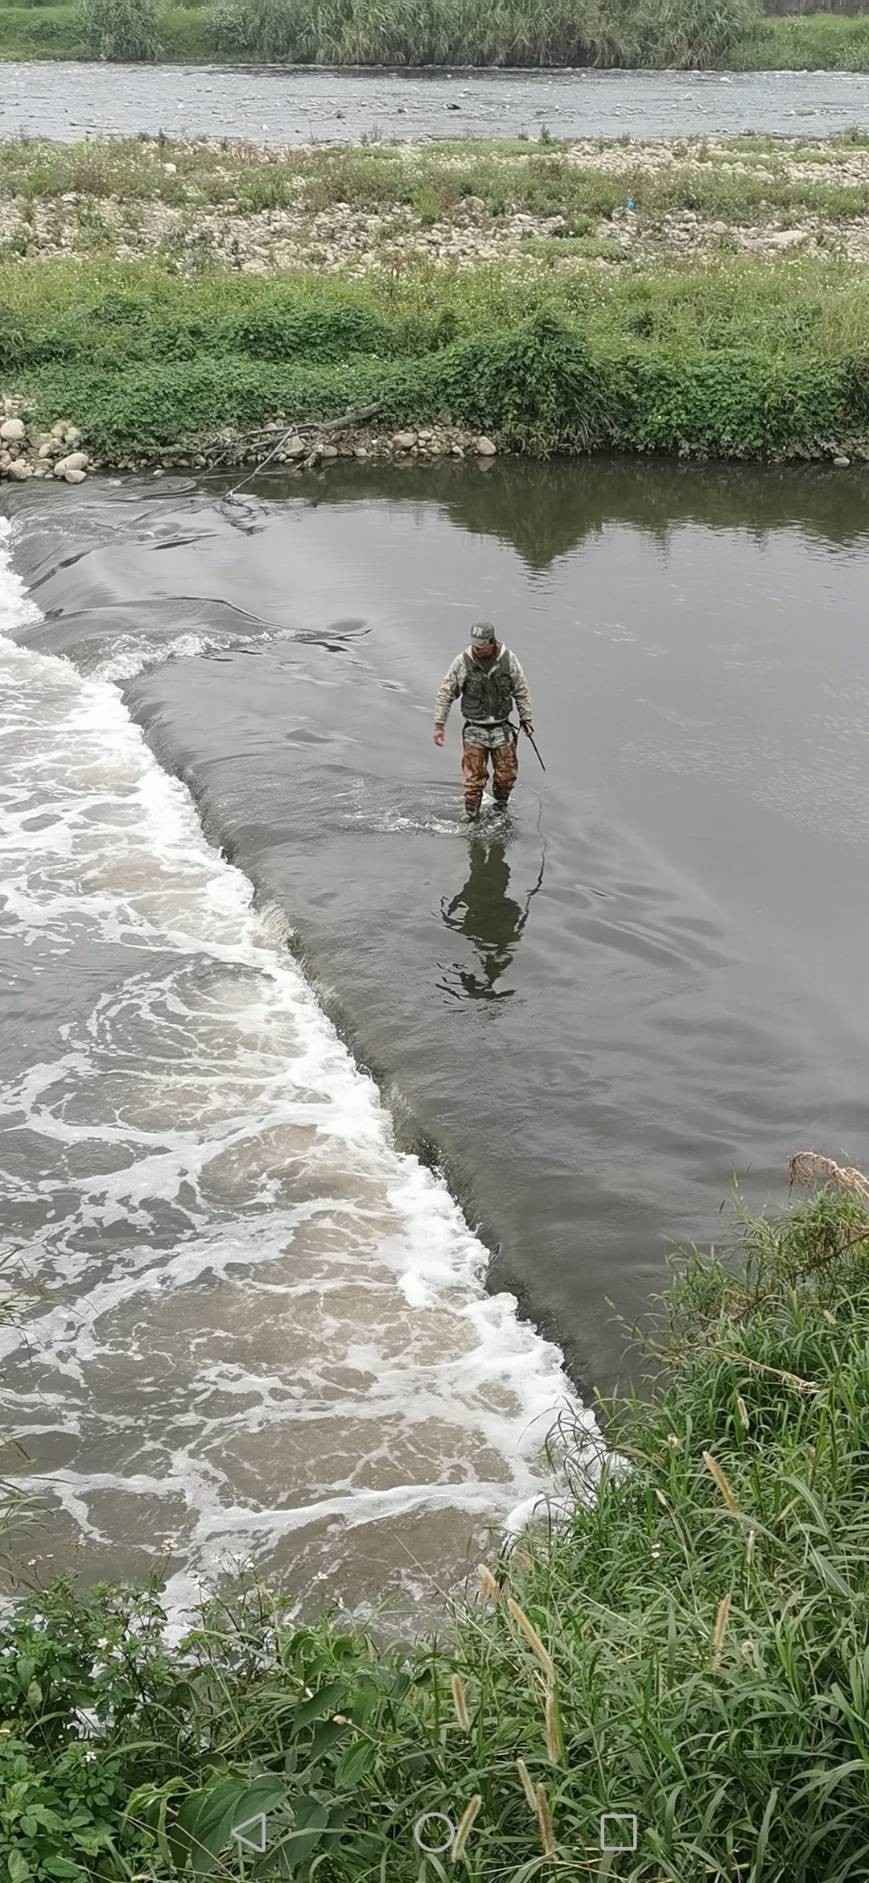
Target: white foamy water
[[257, 1329]]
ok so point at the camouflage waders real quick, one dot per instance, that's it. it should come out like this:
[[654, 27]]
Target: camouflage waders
[[475, 764]]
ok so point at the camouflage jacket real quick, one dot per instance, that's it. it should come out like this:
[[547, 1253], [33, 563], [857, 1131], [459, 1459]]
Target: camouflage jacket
[[453, 684]]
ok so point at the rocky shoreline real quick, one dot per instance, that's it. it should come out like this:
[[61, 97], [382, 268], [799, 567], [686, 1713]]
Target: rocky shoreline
[[351, 242], [28, 451], [55, 455], [251, 211]]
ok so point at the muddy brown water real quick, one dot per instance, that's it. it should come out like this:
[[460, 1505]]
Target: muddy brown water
[[300, 105], [262, 1327]]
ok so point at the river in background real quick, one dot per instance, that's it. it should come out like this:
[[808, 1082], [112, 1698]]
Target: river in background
[[302, 105], [262, 1326]]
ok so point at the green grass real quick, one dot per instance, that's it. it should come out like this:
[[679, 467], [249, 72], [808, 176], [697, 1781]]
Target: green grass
[[464, 32], [740, 360], [34, 31], [692, 1646], [143, 361], [819, 42], [40, 33]]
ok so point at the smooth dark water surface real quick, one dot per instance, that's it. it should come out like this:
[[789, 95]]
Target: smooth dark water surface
[[649, 980], [301, 105]]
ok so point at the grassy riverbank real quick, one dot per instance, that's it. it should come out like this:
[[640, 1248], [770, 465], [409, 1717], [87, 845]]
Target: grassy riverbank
[[687, 298], [733, 35], [693, 1648], [740, 361]]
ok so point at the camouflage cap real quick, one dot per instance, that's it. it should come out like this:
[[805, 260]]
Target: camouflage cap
[[481, 633]]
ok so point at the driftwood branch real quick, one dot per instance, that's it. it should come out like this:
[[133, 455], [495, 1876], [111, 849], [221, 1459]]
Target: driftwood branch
[[346, 422]]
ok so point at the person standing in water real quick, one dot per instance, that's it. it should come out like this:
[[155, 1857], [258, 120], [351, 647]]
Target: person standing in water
[[487, 678]]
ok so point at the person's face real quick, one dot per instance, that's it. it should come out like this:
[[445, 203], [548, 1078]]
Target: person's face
[[483, 650]]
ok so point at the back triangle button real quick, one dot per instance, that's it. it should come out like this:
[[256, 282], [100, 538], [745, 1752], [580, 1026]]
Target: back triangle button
[[256, 1824]]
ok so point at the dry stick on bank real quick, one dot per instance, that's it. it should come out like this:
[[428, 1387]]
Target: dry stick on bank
[[808, 1169], [344, 423]]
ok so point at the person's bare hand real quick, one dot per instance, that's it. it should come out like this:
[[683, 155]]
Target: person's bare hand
[[438, 735]]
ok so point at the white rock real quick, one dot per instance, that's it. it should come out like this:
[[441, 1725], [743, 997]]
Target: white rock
[[841, 462], [328, 451], [787, 238], [171, 169], [403, 441], [20, 469], [485, 448], [12, 431], [295, 448], [456, 451], [48, 450], [73, 435], [58, 429], [74, 476], [5, 460], [76, 461]]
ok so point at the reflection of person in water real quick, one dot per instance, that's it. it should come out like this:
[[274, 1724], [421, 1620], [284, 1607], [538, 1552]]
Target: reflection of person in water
[[489, 918]]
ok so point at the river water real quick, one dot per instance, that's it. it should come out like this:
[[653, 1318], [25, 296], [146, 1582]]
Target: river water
[[301, 105], [260, 1324]]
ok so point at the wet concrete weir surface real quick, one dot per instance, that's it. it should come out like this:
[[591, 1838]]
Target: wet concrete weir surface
[[262, 1324]]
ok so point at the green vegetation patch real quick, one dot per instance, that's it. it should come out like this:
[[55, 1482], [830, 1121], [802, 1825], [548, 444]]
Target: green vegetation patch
[[691, 1647], [817, 42], [741, 361]]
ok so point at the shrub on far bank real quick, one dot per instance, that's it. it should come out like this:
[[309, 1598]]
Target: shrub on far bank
[[254, 29], [119, 29], [683, 33]]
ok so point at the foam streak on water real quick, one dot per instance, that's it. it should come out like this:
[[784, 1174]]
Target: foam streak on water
[[256, 1327]]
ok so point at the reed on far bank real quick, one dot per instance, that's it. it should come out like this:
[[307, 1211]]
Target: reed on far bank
[[464, 32], [685, 34]]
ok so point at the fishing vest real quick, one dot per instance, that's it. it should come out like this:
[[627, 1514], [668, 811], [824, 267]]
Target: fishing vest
[[488, 690]]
